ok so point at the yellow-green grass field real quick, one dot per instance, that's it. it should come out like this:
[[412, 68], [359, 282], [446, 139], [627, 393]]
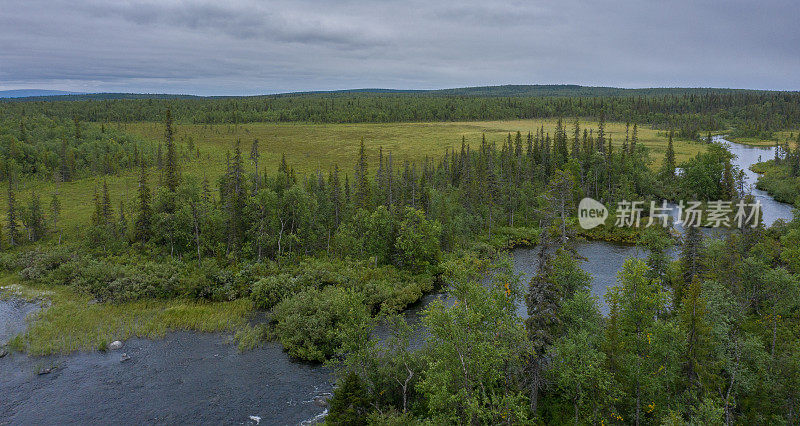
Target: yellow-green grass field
[[308, 147], [311, 147]]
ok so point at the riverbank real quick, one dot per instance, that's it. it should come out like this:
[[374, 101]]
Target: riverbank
[[776, 182], [779, 137], [74, 322]]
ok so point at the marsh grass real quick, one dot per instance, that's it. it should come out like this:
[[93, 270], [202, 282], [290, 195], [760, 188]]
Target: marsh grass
[[73, 322], [251, 336]]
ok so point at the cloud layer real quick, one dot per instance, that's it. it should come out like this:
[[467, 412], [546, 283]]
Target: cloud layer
[[252, 47]]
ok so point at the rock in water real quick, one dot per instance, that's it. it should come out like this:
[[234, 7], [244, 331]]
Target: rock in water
[[321, 400], [116, 344], [3, 352], [255, 419], [124, 357]]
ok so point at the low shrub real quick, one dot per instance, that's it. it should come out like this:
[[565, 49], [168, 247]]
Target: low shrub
[[314, 323]]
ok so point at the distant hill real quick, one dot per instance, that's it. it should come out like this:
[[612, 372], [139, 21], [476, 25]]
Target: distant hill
[[534, 90], [72, 96], [27, 93], [531, 90]]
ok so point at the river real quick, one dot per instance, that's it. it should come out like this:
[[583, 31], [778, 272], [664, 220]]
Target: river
[[203, 378]]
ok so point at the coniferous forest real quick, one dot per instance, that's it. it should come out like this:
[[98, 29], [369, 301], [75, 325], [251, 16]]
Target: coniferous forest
[[700, 329]]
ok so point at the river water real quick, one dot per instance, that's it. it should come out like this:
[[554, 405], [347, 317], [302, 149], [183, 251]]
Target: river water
[[203, 378]]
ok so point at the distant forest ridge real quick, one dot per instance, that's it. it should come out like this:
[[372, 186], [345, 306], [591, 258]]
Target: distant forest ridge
[[512, 90], [690, 111], [35, 93]]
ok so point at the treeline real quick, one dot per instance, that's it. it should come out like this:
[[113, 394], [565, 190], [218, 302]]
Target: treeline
[[66, 149], [400, 214], [251, 213], [746, 111]]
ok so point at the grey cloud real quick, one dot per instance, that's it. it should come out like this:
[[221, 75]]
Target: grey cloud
[[245, 20], [249, 47]]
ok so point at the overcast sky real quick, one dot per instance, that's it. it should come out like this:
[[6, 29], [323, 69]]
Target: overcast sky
[[241, 47]]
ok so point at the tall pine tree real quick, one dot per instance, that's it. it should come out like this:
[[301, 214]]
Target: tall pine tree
[[144, 218], [172, 177]]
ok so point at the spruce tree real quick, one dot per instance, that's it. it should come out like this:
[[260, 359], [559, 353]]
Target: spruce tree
[[254, 156], [336, 196], [55, 214], [347, 195], [11, 214], [145, 214], [235, 200], [627, 139], [728, 182], [34, 219], [691, 257], [172, 176], [576, 139], [350, 403], [543, 302], [601, 134], [160, 158], [122, 223], [108, 210], [698, 335], [362, 192], [97, 215], [668, 170], [380, 177], [23, 134], [77, 123], [65, 169], [389, 182], [794, 168]]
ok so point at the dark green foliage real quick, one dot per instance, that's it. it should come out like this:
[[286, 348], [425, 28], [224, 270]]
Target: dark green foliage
[[704, 176], [34, 220], [234, 196], [691, 257], [313, 324], [668, 170], [144, 215], [55, 214], [362, 184], [11, 214], [349, 405], [172, 177], [417, 241], [385, 289], [50, 151]]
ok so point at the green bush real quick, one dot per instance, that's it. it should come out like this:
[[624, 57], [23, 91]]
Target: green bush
[[417, 241], [269, 291], [385, 288], [314, 323]]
